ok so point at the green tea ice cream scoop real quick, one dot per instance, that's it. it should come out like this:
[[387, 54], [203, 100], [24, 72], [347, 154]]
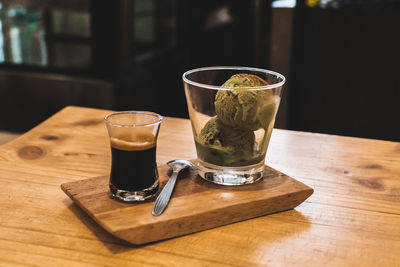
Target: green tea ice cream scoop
[[223, 145], [239, 106]]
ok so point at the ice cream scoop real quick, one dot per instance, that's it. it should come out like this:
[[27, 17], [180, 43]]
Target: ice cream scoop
[[242, 107], [223, 145], [238, 108]]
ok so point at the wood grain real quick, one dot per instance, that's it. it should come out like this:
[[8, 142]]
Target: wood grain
[[196, 205], [352, 219]]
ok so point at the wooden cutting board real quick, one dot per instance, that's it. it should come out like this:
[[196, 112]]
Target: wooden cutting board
[[196, 204]]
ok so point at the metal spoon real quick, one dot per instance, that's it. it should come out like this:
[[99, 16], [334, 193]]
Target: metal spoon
[[163, 198]]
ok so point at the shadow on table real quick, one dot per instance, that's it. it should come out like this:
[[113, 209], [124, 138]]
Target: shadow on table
[[112, 243]]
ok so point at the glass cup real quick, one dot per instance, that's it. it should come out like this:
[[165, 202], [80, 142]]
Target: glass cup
[[133, 139], [231, 125]]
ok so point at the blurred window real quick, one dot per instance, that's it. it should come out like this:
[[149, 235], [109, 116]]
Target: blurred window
[[22, 36], [45, 34], [143, 21], [283, 3]]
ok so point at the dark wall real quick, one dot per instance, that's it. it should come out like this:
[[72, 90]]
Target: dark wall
[[28, 98], [346, 71]]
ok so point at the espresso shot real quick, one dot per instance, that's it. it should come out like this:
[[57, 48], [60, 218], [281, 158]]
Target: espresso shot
[[133, 140], [134, 166]]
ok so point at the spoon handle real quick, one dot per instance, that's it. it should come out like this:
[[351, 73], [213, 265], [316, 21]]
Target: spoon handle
[[165, 195]]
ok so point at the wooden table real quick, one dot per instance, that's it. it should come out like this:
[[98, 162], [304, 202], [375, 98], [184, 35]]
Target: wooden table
[[352, 219]]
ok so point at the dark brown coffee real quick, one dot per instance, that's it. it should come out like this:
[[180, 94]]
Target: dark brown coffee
[[134, 166]]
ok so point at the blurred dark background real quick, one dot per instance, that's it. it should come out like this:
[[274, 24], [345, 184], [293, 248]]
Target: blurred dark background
[[340, 57]]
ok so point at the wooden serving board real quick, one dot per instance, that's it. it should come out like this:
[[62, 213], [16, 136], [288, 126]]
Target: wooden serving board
[[196, 204]]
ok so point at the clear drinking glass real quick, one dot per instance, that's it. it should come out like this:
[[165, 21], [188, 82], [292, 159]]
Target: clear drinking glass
[[231, 125], [133, 140]]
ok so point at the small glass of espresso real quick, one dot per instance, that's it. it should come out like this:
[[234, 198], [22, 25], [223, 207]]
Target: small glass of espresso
[[133, 139]]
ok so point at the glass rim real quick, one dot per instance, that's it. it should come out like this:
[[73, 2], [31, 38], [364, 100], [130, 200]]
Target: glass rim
[[215, 87], [149, 113]]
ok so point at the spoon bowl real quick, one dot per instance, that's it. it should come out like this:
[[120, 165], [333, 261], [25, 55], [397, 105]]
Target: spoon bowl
[[179, 164]]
